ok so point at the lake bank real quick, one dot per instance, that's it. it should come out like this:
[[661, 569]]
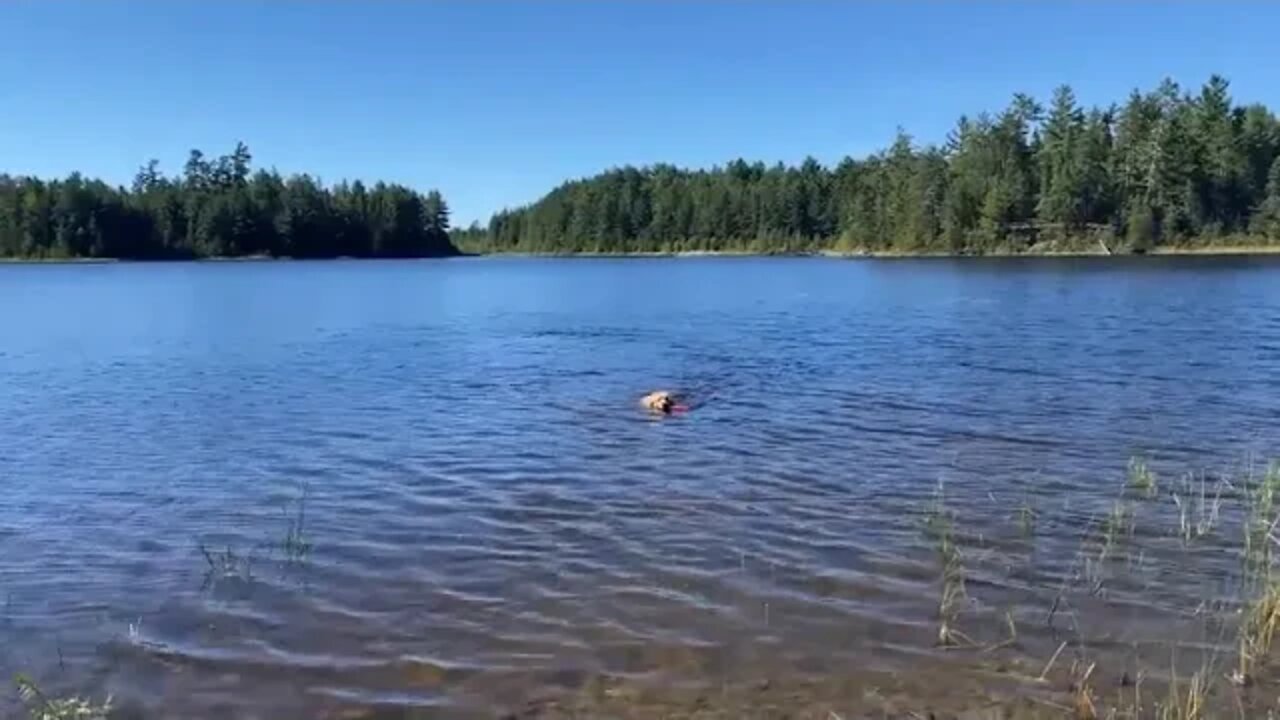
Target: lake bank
[[1244, 248], [55, 261], [1189, 250], [211, 259]]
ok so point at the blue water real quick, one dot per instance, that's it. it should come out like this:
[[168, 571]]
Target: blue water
[[486, 515]]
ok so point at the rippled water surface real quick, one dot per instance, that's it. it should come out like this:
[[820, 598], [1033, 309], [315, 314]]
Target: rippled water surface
[[425, 489]]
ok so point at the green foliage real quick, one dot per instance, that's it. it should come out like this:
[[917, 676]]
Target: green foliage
[[1141, 477], [952, 593], [1260, 522], [1267, 219], [1117, 525], [1165, 167], [1141, 232], [43, 707], [217, 208]]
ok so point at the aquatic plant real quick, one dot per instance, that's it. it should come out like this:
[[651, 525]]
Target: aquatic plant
[[42, 707], [296, 545], [1189, 700], [1197, 512], [226, 563], [1026, 519], [1093, 572], [1011, 639], [1117, 524], [952, 593], [1084, 686], [1253, 621], [1260, 615], [1141, 477], [937, 519], [1260, 620], [1082, 696], [1186, 701], [1260, 524]]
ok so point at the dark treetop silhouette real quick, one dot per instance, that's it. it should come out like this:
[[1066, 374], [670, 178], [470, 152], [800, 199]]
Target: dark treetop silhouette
[[218, 208], [1164, 168]]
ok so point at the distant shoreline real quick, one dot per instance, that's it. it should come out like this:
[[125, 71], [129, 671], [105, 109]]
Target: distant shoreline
[[1240, 250], [1198, 251], [56, 261], [214, 259]]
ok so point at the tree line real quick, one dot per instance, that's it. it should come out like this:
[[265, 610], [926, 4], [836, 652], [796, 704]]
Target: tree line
[[218, 207], [1166, 167]]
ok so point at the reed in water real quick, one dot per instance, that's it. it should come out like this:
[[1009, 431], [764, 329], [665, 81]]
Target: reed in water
[[1227, 673]]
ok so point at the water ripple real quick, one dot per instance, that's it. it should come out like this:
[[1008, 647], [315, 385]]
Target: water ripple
[[489, 520]]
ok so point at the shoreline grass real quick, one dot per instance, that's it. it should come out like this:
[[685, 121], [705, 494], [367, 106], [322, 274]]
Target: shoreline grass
[[1235, 672]]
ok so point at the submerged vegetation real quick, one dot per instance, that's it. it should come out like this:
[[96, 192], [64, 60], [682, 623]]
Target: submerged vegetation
[[296, 544], [43, 707], [225, 563], [1213, 656], [952, 594], [294, 547], [1026, 518], [1198, 513], [218, 208], [1141, 477], [1117, 526], [1164, 168], [1234, 676]]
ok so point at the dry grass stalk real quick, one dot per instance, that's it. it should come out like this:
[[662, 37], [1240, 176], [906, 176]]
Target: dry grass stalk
[[1197, 513], [1188, 702], [1258, 627], [1082, 704]]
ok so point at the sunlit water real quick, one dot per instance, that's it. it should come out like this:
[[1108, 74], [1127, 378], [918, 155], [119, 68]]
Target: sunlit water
[[487, 518]]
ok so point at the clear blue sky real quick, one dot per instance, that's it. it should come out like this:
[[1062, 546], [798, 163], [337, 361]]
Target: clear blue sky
[[495, 103]]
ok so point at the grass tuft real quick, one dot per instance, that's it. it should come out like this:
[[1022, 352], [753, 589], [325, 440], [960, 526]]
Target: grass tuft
[[1186, 701], [1260, 524], [1257, 631], [1141, 477], [226, 563], [296, 544], [42, 707], [1197, 513], [1082, 705], [953, 594], [1117, 525]]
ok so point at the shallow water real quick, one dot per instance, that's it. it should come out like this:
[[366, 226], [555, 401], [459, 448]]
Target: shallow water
[[487, 520]]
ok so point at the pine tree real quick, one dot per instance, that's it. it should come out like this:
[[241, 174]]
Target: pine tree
[[1267, 219], [1062, 160]]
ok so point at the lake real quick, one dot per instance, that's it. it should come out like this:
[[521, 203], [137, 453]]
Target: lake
[[425, 488]]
